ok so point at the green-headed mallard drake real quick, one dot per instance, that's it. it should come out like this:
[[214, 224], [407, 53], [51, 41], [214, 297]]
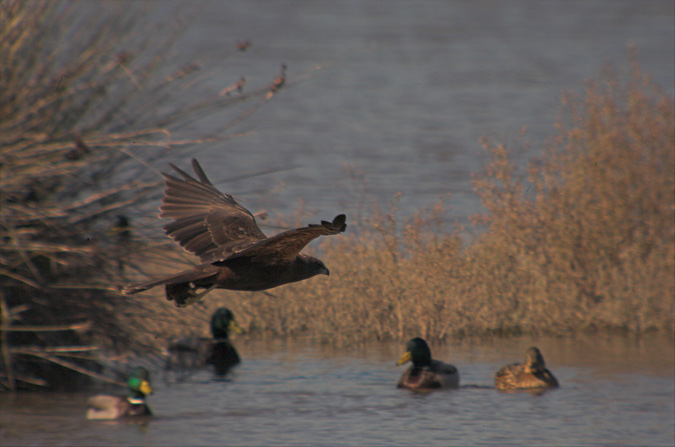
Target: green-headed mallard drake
[[222, 354], [113, 407], [195, 352], [425, 373], [529, 375]]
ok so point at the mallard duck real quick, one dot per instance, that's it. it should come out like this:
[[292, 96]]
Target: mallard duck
[[425, 373], [113, 407], [529, 375], [195, 352], [222, 354]]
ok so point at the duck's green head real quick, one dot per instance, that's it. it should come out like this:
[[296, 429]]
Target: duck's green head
[[222, 322], [418, 351], [139, 383], [534, 361]]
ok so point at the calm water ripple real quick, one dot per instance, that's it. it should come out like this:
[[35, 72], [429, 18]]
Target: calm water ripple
[[406, 92], [613, 391]]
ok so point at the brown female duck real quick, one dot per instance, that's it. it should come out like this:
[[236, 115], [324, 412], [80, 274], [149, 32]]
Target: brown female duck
[[529, 375]]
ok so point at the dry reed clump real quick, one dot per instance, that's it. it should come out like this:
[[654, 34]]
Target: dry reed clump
[[591, 232], [76, 105], [581, 241]]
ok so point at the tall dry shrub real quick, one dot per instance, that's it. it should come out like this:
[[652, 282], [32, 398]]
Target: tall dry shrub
[[581, 240], [85, 94], [589, 232], [388, 281]]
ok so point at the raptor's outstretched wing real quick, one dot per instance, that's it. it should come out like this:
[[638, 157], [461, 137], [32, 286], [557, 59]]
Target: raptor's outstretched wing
[[284, 247], [207, 223]]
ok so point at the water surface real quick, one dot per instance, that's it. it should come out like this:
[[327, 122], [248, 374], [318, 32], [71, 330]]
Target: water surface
[[407, 89], [614, 391]]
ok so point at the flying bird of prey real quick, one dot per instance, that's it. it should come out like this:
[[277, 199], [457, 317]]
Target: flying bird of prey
[[234, 252]]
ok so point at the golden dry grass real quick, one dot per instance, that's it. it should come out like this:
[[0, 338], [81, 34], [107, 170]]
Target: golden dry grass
[[580, 241]]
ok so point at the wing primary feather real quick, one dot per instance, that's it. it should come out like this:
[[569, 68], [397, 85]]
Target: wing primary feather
[[205, 221], [185, 175], [200, 173]]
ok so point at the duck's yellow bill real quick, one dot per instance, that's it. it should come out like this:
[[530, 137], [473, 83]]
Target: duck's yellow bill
[[145, 388], [404, 358], [233, 326]]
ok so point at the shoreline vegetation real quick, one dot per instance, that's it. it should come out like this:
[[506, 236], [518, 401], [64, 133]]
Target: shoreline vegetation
[[581, 240], [81, 127]]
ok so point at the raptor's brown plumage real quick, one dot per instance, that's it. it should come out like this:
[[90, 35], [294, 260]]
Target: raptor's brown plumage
[[234, 252]]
